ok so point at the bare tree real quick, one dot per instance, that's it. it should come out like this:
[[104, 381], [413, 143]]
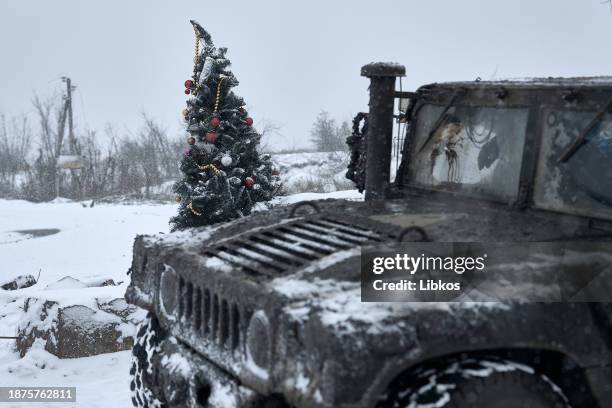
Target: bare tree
[[97, 175], [266, 129], [42, 183], [128, 165], [343, 131], [326, 135], [14, 147]]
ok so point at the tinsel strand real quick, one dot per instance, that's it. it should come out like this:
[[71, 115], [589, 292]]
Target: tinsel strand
[[190, 206], [218, 99], [196, 59], [210, 167]]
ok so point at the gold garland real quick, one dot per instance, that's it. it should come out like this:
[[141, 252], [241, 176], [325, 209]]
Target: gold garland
[[207, 167], [196, 59], [190, 206], [218, 99], [210, 167]]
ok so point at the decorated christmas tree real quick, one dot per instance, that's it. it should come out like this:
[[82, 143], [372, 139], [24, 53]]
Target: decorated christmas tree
[[223, 173]]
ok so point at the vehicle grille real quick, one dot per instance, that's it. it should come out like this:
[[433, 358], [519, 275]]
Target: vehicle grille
[[209, 316], [210, 320], [285, 248]]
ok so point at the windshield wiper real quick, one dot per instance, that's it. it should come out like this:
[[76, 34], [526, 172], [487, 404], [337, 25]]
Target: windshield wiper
[[582, 137], [442, 118]]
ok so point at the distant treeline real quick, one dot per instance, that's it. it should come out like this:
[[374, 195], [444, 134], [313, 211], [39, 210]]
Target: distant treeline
[[122, 165]]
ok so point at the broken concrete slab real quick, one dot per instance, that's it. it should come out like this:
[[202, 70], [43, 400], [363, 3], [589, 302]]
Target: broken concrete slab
[[83, 332], [78, 330], [101, 282], [20, 282], [37, 323], [67, 282], [120, 308]]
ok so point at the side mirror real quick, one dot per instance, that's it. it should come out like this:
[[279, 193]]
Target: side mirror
[[405, 105]]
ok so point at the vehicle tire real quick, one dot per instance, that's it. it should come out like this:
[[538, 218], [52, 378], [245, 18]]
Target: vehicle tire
[[145, 388], [475, 383]]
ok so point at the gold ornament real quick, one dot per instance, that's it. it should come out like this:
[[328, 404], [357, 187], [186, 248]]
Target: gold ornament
[[178, 198], [190, 206]]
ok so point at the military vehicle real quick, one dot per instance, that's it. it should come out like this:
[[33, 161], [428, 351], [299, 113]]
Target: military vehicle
[[265, 311]]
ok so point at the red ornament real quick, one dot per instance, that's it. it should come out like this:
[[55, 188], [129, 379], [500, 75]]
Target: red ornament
[[188, 83], [214, 122], [275, 172], [249, 121], [211, 137], [249, 182], [187, 91]]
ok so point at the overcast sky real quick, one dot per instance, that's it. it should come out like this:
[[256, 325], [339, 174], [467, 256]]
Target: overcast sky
[[292, 59]]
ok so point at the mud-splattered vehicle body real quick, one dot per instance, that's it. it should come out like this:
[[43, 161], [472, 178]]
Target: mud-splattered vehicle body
[[266, 310]]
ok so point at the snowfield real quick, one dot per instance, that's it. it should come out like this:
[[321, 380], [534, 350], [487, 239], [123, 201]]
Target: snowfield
[[73, 247], [319, 172]]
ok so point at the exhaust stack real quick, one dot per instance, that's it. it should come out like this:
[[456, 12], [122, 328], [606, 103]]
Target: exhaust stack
[[380, 125]]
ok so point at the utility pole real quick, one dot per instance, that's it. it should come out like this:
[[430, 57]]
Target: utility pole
[[65, 114], [71, 139]]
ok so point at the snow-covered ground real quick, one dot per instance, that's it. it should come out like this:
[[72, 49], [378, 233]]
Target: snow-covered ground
[[316, 171], [89, 244], [319, 172], [92, 244]]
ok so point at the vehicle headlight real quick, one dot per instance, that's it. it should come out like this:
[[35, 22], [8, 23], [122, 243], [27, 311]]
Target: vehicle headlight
[[258, 343], [168, 290]]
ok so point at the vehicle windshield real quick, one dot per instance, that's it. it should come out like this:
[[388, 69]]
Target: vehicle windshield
[[582, 184], [477, 150]]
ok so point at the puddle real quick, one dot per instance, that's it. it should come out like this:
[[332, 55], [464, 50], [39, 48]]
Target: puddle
[[11, 237]]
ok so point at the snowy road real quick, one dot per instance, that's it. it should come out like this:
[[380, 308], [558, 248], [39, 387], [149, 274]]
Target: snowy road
[[89, 244]]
